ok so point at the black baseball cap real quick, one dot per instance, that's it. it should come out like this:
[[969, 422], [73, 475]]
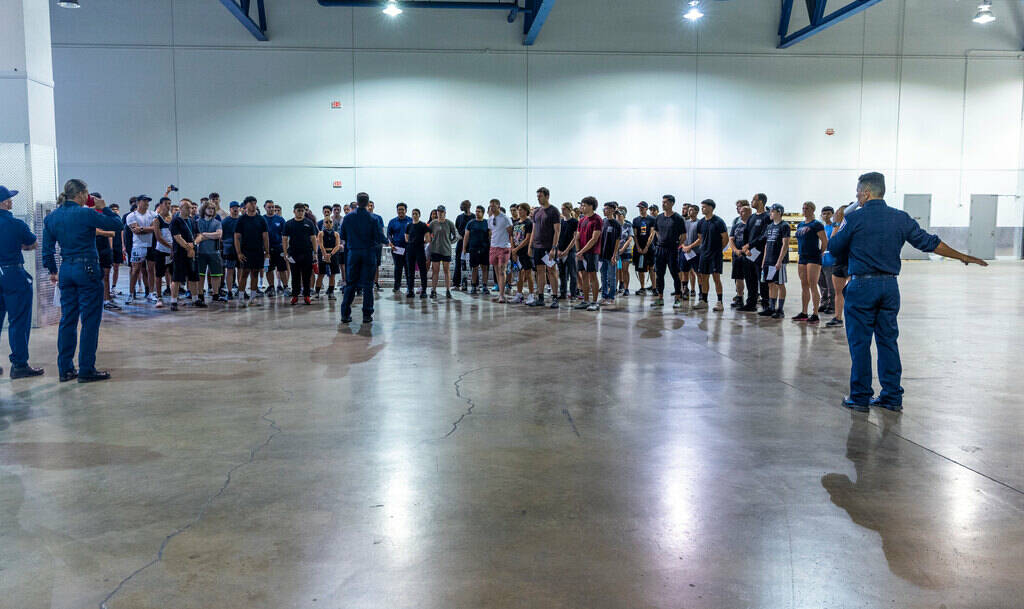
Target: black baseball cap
[[779, 208], [441, 208], [643, 204], [143, 198]]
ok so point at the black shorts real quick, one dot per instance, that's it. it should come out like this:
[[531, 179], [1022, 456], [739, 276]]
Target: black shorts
[[106, 259], [626, 259], [525, 260], [152, 254], [538, 256], [589, 263], [184, 269], [277, 261], [329, 268], [253, 261], [709, 264], [380, 255], [738, 263], [642, 262], [810, 260], [161, 262], [118, 256], [439, 258], [839, 270], [685, 266], [479, 257]]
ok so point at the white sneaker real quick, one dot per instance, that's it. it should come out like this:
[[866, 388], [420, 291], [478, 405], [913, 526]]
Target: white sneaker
[[517, 299], [700, 305], [255, 302], [152, 298], [530, 299], [594, 307], [159, 303], [718, 307]]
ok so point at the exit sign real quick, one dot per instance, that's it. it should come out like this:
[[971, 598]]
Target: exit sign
[[336, 105], [337, 184]]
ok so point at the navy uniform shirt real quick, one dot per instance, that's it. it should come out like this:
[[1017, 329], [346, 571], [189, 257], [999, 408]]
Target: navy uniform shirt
[[13, 234], [74, 227], [756, 225], [360, 230], [873, 238]]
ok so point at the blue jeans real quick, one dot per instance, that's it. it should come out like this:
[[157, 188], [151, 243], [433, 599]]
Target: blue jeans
[[81, 298], [16, 301], [608, 284], [871, 308], [360, 268]]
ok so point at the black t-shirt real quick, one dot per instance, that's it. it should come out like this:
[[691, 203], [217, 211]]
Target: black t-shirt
[[478, 234], [250, 230], [567, 232], [611, 230], [643, 226], [181, 226], [807, 238], [710, 232], [739, 232], [776, 239], [227, 238], [520, 229], [299, 233], [330, 239], [669, 229], [415, 234], [461, 221], [756, 225]]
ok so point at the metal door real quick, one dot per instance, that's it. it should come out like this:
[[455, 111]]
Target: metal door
[[981, 236], [920, 208]]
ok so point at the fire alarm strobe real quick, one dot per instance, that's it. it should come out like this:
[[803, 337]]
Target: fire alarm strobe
[[830, 131], [337, 184], [336, 105]]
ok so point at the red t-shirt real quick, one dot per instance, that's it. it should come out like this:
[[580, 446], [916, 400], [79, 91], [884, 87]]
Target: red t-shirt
[[587, 227]]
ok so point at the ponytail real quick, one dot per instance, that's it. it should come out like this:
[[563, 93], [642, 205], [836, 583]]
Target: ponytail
[[72, 188]]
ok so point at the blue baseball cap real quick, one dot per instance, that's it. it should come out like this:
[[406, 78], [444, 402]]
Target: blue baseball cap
[[143, 198], [779, 208], [234, 204], [6, 194]]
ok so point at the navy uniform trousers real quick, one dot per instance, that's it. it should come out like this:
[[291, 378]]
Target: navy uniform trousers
[[872, 305], [360, 268], [16, 303], [81, 297]]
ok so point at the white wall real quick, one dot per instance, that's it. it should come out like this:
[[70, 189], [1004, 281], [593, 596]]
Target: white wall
[[622, 100]]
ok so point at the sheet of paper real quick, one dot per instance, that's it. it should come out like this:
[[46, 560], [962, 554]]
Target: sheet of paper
[[398, 251], [465, 257], [689, 255], [56, 296], [547, 260], [771, 273], [754, 253]]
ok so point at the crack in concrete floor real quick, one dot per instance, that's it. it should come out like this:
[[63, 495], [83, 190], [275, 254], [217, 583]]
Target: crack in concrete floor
[[458, 392], [202, 510]]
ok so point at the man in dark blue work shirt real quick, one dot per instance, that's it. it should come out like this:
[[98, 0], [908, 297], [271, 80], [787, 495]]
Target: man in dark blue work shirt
[[870, 244], [15, 285], [363, 238], [396, 237], [81, 283]]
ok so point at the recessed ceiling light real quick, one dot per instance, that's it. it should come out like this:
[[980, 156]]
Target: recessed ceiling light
[[392, 10], [694, 13], [69, 4], [984, 13]]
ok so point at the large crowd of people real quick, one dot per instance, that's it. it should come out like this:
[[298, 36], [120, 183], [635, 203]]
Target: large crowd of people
[[583, 255]]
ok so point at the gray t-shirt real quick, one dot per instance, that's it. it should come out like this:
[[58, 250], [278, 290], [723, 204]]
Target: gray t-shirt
[[209, 226], [691, 231], [442, 237], [627, 233]]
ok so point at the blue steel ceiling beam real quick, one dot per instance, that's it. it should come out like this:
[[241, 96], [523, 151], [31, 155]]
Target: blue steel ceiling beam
[[819, 22], [535, 18], [241, 12], [503, 6], [787, 12]]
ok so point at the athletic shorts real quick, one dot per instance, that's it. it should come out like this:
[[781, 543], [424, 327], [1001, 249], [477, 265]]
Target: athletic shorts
[[184, 269], [161, 262], [152, 253], [439, 258], [329, 268], [839, 270], [810, 260], [589, 263], [499, 256], [253, 261], [209, 264], [779, 278], [709, 264], [106, 259], [738, 263], [538, 256], [626, 258], [478, 257], [380, 255], [277, 261], [525, 260], [685, 266], [118, 256], [139, 254], [642, 262]]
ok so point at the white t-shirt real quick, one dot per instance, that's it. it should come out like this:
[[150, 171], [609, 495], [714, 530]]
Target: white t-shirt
[[144, 221], [499, 225]]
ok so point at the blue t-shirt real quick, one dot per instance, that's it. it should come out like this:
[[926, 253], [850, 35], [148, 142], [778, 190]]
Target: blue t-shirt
[[227, 238], [808, 243], [275, 228], [827, 258]]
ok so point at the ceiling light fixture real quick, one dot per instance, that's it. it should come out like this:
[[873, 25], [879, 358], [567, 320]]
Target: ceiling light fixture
[[392, 10], [69, 4], [694, 13], [984, 13]]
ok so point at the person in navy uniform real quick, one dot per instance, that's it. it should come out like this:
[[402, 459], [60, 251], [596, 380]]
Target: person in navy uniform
[[15, 285], [363, 237], [73, 226], [870, 244]]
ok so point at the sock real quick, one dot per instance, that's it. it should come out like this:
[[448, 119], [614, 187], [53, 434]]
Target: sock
[[771, 304], [782, 303], [720, 298]]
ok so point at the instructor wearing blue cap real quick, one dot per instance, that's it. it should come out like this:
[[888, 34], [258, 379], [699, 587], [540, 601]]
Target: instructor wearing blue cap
[[870, 243], [73, 226], [15, 285]]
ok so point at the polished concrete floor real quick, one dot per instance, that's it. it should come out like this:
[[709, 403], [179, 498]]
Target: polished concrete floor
[[466, 454]]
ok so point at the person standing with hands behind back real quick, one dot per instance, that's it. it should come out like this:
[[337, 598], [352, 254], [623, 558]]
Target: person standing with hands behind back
[[362, 237], [299, 240], [16, 285], [73, 227]]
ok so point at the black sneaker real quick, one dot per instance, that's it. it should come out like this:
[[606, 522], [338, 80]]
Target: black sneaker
[[199, 304], [271, 293], [554, 303], [751, 308], [410, 294], [174, 306], [874, 402], [766, 313], [448, 294], [800, 317], [779, 315], [813, 319], [834, 323], [423, 294], [367, 319]]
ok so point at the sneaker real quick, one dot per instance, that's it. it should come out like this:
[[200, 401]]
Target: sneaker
[[530, 300], [448, 294], [684, 294], [779, 315], [766, 313], [700, 305], [472, 291], [594, 307], [603, 302], [110, 305], [167, 292], [423, 294], [677, 303], [130, 300], [748, 308], [737, 301], [582, 306], [659, 302], [330, 296], [228, 298], [718, 306], [625, 292], [848, 403], [294, 300], [735, 304], [874, 402], [160, 304], [254, 302], [307, 300], [641, 292], [395, 290], [410, 294], [152, 297], [200, 304], [517, 299], [174, 305], [433, 293], [800, 317], [554, 303], [834, 323]]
